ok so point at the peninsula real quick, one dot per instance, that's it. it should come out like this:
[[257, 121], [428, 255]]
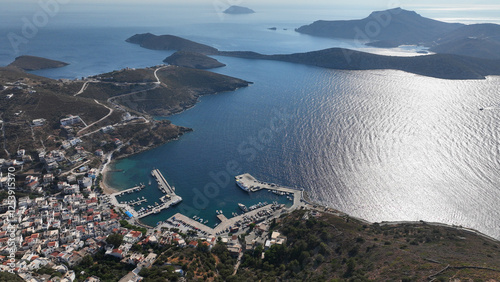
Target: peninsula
[[31, 63], [100, 111], [192, 60], [445, 66]]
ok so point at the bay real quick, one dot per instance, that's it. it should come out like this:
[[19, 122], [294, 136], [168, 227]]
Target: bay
[[380, 145]]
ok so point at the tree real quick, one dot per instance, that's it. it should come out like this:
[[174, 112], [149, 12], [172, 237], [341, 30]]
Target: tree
[[219, 248], [351, 265], [7, 276], [87, 261], [115, 239], [257, 253], [202, 247]]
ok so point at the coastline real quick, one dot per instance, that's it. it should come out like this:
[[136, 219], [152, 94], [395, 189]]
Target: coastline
[[319, 207], [106, 189], [187, 107], [105, 170]]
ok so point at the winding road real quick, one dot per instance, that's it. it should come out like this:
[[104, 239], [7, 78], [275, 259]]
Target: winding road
[[110, 100], [84, 87], [103, 118]]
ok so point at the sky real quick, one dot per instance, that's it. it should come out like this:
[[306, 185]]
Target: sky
[[12, 11], [456, 4]]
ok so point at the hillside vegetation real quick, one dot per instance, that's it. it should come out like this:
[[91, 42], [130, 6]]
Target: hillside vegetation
[[322, 246]]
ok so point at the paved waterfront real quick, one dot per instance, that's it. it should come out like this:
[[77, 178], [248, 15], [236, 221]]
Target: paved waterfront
[[256, 185], [241, 221]]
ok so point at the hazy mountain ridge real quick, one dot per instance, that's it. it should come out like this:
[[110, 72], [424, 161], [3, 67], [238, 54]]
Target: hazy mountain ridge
[[395, 27], [476, 40], [238, 10]]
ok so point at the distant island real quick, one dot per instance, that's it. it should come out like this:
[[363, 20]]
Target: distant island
[[170, 42], [395, 27], [446, 66], [192, 60], [235, 10], [31, 63]]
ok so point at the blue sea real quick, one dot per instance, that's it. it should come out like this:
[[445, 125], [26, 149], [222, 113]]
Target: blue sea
[[380, 145]]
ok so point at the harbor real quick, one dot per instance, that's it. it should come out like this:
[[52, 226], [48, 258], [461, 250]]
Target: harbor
[[167, 200], [231, 222], [254, 214]]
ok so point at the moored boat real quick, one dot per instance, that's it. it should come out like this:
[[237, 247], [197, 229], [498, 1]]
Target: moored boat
[[243, 207]]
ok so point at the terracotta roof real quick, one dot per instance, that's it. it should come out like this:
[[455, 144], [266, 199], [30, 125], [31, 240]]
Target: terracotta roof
[[136, 233]]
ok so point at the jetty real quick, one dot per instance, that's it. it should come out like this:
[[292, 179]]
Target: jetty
[[130, 190], [167, 200], [162, 182], [137, 202], [156, 209], [221, 217], [254, 185]]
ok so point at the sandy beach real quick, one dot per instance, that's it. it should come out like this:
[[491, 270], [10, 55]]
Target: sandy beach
[[105, 188]]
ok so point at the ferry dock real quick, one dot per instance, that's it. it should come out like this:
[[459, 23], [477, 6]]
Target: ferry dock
[[263, 212], [253, 185]]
